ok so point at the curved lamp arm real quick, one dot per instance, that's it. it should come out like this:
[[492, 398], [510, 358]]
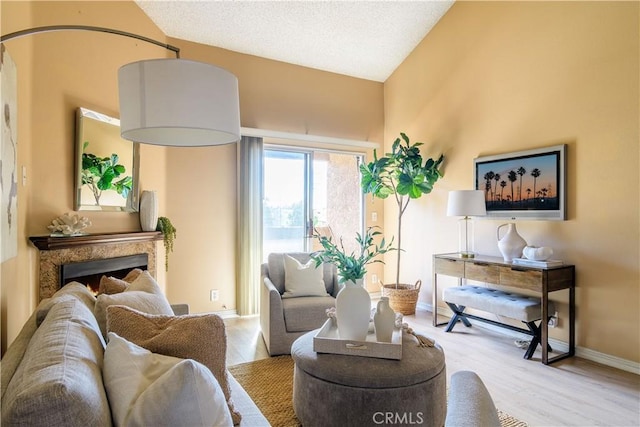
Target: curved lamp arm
[[157, 105], [51, 28]]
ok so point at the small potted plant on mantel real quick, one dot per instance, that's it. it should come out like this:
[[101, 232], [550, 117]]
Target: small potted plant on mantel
[[402, 174], [353, 302], [169, 234]]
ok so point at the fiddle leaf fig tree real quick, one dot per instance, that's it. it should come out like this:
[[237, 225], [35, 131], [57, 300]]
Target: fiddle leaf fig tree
[[100, 174], [402, 174]]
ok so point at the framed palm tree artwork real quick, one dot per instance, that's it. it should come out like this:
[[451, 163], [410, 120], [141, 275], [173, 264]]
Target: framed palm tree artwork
[[527, 184]]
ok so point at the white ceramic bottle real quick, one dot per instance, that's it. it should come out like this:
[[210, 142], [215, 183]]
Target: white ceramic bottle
[[384, 320]]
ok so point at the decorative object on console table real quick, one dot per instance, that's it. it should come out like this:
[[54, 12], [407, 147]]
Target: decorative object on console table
[[535, 253], [353, 303], [511, 244], [169, 234], [384, 321], [402, 174], [466, 203], [540, 264], [149, 210]]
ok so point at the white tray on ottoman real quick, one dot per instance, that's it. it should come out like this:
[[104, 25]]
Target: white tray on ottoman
[[327, 340]]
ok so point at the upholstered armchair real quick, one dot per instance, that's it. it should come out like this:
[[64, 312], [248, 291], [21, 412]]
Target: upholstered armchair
[[284, 319]]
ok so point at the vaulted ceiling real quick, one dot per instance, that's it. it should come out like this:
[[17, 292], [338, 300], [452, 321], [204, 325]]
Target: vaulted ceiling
[[364, 39]]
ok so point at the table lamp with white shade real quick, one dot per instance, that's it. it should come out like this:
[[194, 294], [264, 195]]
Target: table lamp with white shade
[[466, 203]]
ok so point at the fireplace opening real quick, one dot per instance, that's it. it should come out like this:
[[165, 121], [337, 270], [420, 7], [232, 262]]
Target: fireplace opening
[[90, 272]]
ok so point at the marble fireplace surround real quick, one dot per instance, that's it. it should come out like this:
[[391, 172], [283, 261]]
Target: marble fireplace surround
[[56, 251]]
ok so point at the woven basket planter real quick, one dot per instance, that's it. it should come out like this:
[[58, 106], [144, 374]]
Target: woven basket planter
[[403, 298]]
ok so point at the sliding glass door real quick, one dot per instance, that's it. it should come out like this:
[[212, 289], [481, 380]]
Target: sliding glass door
[[285, 207], [306, 190]]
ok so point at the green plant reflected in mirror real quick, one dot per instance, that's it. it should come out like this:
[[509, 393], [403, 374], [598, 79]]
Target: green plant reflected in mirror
[[106, 165]]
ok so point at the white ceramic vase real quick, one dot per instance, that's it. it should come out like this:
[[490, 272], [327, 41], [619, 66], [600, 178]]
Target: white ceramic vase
[[384, 320], [511, 244], [353, 310], [148, 210]]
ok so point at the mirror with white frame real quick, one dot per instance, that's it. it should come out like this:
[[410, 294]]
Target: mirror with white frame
[[106, 165]]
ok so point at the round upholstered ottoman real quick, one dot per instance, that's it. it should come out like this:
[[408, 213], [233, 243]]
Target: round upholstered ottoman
[[342, 390]]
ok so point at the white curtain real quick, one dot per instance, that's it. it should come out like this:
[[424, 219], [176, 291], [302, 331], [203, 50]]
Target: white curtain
[[249, 245]]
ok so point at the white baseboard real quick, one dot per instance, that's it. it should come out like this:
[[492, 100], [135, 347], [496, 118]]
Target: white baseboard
[[585, 353], [424, 306], [608, 360]]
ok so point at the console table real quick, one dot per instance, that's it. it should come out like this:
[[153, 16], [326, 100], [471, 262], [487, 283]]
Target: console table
[[494, 270]]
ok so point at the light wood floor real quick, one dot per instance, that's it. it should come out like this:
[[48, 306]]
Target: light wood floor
[[571, 392]]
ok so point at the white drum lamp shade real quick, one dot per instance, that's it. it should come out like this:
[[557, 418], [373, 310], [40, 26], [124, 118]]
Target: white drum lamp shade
[[466, 203], [178, 102]]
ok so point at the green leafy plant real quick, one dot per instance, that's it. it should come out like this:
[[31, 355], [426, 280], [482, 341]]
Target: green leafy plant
[[100, 174], [168, 235], [402, 174], [351, 266]]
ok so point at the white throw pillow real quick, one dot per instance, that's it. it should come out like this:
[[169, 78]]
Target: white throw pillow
[[302, 280], [146, 389]]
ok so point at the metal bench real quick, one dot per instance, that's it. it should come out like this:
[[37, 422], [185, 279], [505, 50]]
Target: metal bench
[[507, 304]]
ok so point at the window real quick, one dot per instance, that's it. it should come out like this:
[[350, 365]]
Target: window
[[306, 188]]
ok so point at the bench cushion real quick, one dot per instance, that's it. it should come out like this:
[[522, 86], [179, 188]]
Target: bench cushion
[[502, 303]]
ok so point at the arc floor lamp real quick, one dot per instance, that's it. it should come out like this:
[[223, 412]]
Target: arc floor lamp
[[169, 101]]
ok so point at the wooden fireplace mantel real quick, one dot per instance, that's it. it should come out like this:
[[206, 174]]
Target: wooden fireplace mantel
[[47, 243]]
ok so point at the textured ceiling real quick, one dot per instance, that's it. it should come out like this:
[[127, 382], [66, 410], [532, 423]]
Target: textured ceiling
[[365, 39]]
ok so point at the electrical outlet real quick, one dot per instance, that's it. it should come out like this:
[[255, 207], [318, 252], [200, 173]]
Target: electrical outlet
[[215, 295], [374, 279], [374, 216], [553, 321]]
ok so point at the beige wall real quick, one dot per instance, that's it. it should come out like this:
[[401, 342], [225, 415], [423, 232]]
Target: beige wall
[[59, 72], [274, 96], [494, 77]]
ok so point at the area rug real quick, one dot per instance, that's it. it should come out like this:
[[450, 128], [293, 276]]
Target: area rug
[[269, 382]]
